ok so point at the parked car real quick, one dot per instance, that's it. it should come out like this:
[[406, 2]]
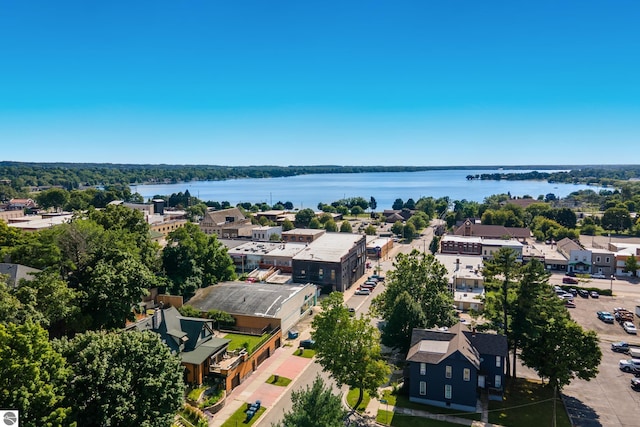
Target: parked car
[[377, 277], [307, 343], [570, 304], [566, 296], [629, 365], [594, 294], [629, 328], [362, 291], [635, 383], [583, 293], [573, 291], [620, 346], [367, 285], [371, 282], [598, 276], [605, 316], [570, 280], [570, 273]]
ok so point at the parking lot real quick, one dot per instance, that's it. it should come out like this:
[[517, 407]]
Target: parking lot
[[608, 399]]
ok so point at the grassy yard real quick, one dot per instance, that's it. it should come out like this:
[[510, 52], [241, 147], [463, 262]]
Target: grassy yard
[[403, 402], [306, 352], [282, 381], [527, 404], [352, 398], [239, 417], [247, 341], [196, 392]]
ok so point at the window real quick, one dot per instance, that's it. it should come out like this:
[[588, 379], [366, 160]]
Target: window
[[320, 273], [498, 361], [466, 374], [597, 259], [498, 381], [447, 391], [447, 371], [606, 260], [333, 275], [423, 369], [423, 388]]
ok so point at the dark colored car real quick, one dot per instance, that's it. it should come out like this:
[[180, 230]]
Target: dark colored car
[[307, 343], [573, 291], [583, 293], [620, 347], [570, 280], [570, 274], [377, 277]]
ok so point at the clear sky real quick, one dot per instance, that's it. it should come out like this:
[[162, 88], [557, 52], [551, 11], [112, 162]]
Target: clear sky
[[333, 82]]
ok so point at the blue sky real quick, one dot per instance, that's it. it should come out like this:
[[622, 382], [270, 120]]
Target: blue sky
[[332, 82]]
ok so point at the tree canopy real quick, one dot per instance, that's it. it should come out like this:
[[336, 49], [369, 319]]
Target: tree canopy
[[123, 379], [415, 296], [315, 406], [348, 347]]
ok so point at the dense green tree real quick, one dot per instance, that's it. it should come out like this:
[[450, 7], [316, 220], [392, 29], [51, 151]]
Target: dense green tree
[[502, 276], [357, 210], [304, 217], [425, 280], [288, 205], [409, 231], [10, 305], [563, 351], [331, 226], [631, 265], [53, 198], [221, 318], [409, 204], [434, 246], [47, 299], [287, 225], [189, 311], [34, 376], [122, 379], [315, 223], [427, 205], [397, 228], [325, 217], [193, 259], [348, 347], [113, 285], [616, 219], [373, 204], [406, 315], [37, 250], [345, 227], [315, 406], [370, 230]]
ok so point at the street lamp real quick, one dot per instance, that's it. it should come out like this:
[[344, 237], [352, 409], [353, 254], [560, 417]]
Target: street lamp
[[611, 285]]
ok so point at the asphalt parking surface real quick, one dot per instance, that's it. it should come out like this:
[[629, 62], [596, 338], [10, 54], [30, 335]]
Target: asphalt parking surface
[[608, 399]]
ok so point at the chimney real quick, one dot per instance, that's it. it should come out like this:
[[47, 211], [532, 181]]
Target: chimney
[[473, 332]]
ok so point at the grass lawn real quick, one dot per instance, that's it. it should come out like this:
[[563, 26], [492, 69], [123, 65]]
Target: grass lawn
[[282, 381], [306, 352], [403, 402], [538, 410], [352, 398], [239, 340], [196, 392], [239, 417], [391, 419]]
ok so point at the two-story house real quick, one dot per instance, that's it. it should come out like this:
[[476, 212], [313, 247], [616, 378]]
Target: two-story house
[[449, 368]]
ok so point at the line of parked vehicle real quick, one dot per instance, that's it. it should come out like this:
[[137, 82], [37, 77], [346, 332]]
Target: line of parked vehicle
[[367, 287], [629, 365], [568, 295]]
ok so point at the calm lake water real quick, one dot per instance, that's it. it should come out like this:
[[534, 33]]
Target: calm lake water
[[306, 191]]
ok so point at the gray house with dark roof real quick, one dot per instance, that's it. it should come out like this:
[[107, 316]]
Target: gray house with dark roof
[[449, 368], [17, 272], [189, 337]]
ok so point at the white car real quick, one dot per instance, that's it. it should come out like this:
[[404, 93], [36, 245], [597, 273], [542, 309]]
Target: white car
[[629, 328], [362, 291], [598, 276], [629, 365]]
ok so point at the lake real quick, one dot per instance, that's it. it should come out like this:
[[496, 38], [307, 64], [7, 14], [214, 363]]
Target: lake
[[306, 191]]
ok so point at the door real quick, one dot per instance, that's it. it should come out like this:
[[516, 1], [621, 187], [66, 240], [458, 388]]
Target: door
[[481, 381]]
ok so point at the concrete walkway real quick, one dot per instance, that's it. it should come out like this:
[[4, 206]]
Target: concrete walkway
[[255, 387]]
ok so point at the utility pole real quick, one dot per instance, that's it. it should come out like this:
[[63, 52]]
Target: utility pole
[[553, 422]]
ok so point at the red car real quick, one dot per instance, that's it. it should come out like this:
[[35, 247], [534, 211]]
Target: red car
[[570, 280]]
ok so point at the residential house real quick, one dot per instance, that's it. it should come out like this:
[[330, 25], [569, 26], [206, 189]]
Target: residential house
[[226, 223], [193, 339], [448, 368], [16, 272]]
